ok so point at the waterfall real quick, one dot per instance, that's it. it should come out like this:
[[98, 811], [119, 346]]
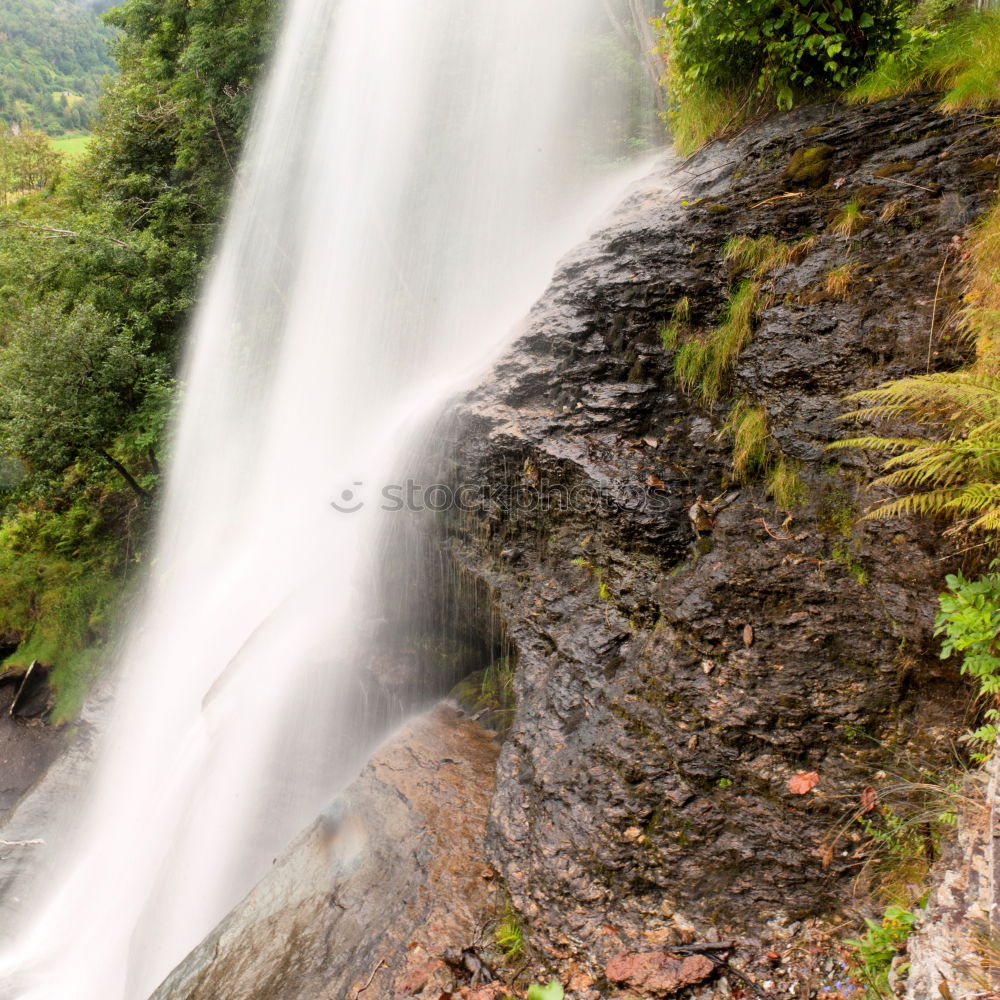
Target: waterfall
[[413, 172]]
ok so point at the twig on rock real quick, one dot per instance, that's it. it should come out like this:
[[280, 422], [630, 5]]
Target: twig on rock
[[723, 963], [381, 962], [767, 528], [779, 197], [701, 947]]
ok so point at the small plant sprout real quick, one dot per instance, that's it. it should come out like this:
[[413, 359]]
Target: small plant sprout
[[509, 935], [850, 220], [969, 621], [882, 942], [553, 991]]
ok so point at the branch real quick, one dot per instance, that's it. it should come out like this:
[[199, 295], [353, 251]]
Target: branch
[[124, 473], [61, 232]]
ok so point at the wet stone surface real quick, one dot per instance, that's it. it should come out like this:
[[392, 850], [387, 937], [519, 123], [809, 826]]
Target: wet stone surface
[[368, 899], [643, 791]]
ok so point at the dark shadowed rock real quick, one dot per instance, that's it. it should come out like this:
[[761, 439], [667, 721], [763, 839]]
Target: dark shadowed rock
[[28, 744], [644, 786], [371, 894]]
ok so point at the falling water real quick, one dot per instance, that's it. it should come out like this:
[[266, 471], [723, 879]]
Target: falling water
[[414, 171]]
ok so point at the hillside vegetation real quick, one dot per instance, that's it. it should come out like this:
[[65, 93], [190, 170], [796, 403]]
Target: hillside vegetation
[[54, 57], [97, 273]]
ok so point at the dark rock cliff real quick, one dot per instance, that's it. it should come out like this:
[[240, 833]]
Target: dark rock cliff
[[668, 689]]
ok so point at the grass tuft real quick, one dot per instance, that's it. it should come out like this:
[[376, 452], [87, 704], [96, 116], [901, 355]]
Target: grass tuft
[[850, 220], [679, 317], [705, 113], [962, 59], [894, 209], [703, 365], [838, 281], [764, 254], [746, 427], [785, 486]]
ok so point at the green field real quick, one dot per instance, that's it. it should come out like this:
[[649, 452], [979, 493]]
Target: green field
[[72, 145]]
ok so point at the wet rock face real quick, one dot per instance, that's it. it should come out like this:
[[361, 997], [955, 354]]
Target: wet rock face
[[27, 743], [367, 899], [645, 783]]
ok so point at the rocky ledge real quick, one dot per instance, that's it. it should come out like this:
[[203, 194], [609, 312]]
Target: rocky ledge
[[698, 718], [367, 900]]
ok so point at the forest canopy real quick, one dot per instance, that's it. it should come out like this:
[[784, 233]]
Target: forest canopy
[[54, 57]]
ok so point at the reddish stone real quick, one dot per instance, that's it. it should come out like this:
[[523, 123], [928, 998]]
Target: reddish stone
[[657, 972], [493, 991], [415, 979]]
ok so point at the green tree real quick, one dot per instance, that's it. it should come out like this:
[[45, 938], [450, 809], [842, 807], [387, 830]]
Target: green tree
[[70, 383]]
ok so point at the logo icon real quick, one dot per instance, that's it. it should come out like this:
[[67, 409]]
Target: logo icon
[[348, 502]]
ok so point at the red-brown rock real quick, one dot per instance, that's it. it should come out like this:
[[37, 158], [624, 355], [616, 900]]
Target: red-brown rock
[[658, 973]]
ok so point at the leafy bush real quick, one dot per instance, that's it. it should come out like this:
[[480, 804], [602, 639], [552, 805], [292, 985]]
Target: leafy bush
[[969, 620], [728, 59], [882, 942]]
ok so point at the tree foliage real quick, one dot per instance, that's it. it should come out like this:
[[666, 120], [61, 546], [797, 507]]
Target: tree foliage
[[97, 277], [70, 383], [53, 61], [728, 59]]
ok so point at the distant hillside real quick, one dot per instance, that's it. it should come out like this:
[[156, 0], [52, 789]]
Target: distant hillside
[[53, 57]]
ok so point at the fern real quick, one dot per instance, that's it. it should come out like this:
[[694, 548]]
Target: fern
[[955, 470]]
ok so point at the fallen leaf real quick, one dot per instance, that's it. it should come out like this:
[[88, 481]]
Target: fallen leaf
[[748, 635], [869, 797], [655, 482], [803, 784], [652, 442]]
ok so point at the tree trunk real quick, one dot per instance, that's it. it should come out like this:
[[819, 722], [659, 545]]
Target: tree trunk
[[640, 42], [125, 474], [647, 43]]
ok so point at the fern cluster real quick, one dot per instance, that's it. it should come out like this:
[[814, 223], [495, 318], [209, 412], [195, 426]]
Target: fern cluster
[[953, 470]]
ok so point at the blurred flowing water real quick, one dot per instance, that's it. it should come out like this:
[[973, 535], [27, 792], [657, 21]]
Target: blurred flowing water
[[412, 175]]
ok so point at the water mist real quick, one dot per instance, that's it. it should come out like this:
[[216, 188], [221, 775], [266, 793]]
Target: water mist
[[412, 175]]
